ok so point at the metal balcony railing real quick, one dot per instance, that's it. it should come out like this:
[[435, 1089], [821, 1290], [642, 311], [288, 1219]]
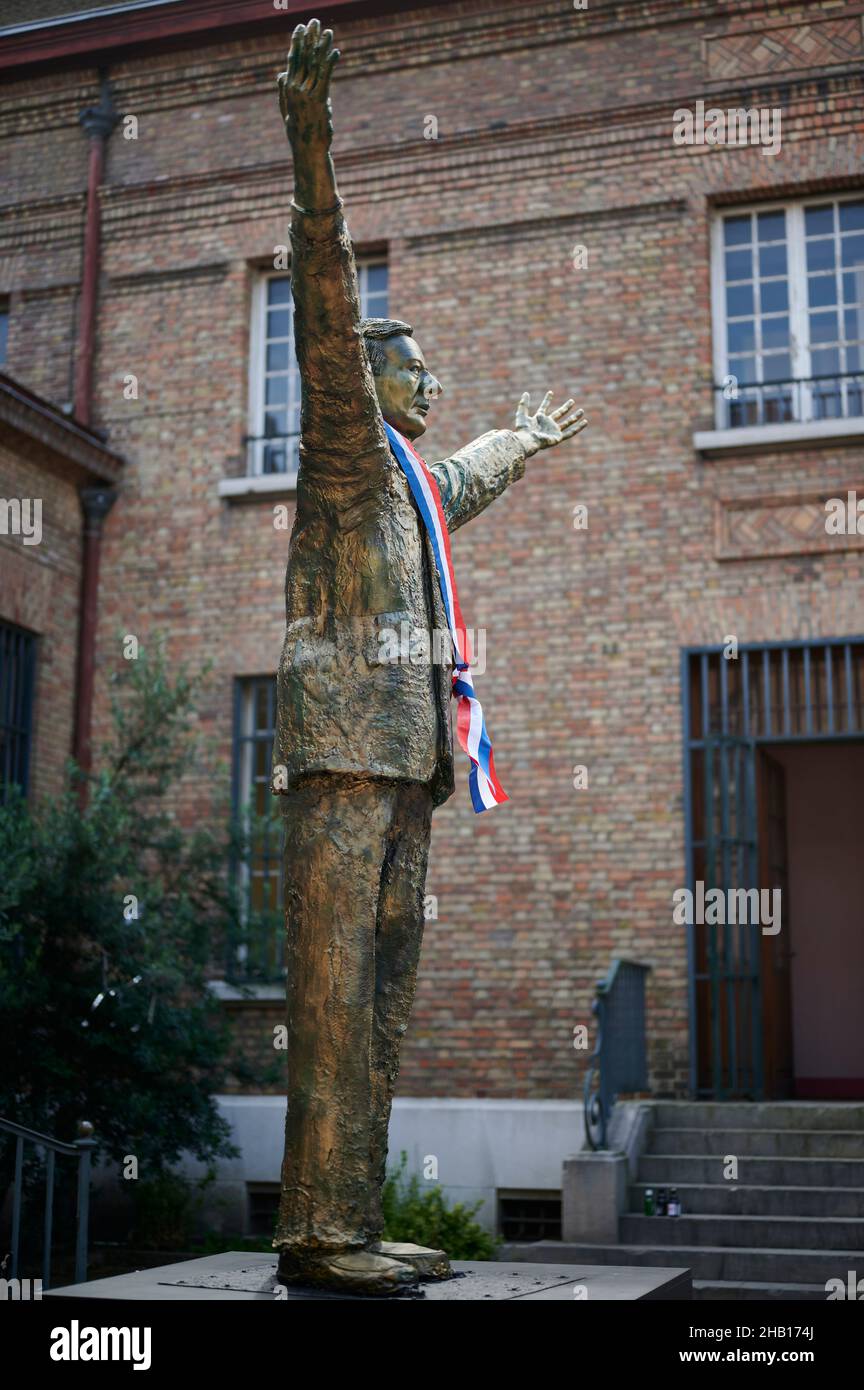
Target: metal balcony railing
[[255, 953], [267, 454], [805, 400]]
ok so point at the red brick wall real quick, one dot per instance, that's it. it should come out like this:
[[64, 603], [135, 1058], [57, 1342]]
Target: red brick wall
[[258, 1029], [39, 590], [555, 128]]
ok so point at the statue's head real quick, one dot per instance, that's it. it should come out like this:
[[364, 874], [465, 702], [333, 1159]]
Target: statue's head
[[404, 385]]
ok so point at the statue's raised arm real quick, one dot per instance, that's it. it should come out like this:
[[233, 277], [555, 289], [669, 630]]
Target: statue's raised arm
[[304, 100], [342, 434]]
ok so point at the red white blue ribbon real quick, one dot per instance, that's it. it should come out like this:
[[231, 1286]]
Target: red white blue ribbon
[[486, 790]]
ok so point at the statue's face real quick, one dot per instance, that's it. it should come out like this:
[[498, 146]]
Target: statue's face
[[405, 387]]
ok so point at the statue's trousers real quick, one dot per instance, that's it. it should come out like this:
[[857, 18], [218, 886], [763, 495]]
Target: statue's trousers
[[356, 850]]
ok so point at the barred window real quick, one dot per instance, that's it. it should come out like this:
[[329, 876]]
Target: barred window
[[17, 687], [258, 955], [274, 378], [789, 312]]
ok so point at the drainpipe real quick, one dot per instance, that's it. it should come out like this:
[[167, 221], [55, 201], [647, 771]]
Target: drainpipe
[[96, 502], [98, 123]]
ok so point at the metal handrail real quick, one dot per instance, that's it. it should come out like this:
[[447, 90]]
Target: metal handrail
[[619, 1061], [81, 1149]]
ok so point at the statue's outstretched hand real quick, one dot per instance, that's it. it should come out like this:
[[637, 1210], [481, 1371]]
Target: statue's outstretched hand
[[304, 87], [546, 428]]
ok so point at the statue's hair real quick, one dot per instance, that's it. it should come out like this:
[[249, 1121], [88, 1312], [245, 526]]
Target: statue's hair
[[374, 333]]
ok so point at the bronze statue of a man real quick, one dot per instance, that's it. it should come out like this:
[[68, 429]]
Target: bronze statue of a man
[[364, 747]]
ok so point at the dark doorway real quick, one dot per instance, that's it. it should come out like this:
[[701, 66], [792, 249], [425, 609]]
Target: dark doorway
[[774, 799], [823, 829]]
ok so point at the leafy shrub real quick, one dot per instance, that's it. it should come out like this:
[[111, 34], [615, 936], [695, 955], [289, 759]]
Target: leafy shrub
[[165, 1209], [425, 1218]]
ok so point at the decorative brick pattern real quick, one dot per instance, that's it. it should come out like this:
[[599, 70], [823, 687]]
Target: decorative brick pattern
[[772, 526], [786, 48]]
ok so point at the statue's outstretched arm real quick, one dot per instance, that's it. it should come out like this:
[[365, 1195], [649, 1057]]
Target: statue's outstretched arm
[[341, 429], [474, 476]]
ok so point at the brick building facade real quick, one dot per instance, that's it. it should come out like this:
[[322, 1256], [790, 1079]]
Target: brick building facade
[[55, 478], [516, 177]]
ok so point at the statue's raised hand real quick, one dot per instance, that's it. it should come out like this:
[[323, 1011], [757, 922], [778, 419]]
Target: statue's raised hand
[[545, 428], [304, 87]]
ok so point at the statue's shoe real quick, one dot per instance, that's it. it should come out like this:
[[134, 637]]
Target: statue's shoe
[[428, 1264], [353, 1271]]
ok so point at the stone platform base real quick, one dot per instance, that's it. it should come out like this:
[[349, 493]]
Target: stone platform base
[[242, 1277]]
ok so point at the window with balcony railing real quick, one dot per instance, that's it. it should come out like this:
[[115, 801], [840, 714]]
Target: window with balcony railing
[[274, 378], [788, 295]]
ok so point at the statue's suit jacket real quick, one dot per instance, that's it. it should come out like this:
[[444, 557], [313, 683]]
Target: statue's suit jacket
[[360, 560]]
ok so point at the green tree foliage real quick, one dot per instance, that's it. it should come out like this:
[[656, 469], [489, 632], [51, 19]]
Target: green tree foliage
[[110, 918]]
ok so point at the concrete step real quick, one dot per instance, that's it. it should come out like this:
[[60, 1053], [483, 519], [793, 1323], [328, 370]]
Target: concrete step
[[671, 1170], [750, 1232], [738, 1199], [721, 1290], [768, 1143], [724, 1263], [778, 1114]]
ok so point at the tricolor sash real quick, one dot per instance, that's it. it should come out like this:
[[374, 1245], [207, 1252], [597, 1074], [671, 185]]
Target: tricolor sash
[[486, 790]]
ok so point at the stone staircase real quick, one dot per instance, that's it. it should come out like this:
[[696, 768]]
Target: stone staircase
[[793, 1219]]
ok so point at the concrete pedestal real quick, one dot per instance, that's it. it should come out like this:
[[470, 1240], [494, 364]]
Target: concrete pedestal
[[593, 1196], [240, 1277]]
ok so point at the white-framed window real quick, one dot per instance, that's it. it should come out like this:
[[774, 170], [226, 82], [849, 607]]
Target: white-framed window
[[788, 312], [274, 378]]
